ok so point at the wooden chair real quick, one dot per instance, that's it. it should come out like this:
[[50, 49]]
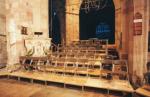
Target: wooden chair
[[60, 65], [82, 66], [70, 66], [94, 68]]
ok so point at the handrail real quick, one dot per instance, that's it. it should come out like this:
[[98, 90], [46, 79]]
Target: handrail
[[54, 47]]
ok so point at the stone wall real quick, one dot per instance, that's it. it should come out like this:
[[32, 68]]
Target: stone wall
[[140, 42], [3, 50], [32, 14], [2, 18], [3, 40]]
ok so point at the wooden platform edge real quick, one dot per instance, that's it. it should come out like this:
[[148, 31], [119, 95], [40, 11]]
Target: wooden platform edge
[[9, 75]]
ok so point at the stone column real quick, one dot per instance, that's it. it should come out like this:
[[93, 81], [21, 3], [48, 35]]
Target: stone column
[[140, 42], [118, 23], [127, 29], [72, 20], [13, 32]]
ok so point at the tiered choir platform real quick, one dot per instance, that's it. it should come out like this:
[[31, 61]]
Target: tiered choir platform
[[116, 85], [84, 63]]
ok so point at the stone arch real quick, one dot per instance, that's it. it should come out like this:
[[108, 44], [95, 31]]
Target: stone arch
[[72, 18]]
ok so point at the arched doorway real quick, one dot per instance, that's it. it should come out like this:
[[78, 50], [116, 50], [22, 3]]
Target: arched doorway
[[98, 23]]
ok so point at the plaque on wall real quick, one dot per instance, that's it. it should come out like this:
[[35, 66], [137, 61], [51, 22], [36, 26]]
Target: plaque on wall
[[138, 24], [24, 30]]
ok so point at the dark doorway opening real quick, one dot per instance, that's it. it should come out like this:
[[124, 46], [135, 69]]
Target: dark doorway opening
[[56, 36], [98, 23], [54, 23]]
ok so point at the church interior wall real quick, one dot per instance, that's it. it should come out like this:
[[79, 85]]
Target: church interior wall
[[33, 14], [3, 39]]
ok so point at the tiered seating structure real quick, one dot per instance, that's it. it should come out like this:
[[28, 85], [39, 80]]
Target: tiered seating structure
[[84, 63], [88, 58]]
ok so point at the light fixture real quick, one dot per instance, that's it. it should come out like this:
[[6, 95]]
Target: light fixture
[[87, 5]]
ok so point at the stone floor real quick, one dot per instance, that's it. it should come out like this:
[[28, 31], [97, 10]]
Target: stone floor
[[13, 88]]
